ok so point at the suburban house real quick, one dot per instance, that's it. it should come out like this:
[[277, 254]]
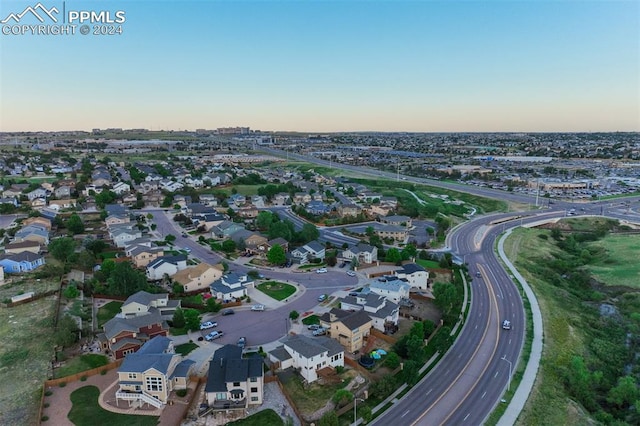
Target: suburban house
[[230, 286], [15, 248], [122, 237], [415, 275], [142, 255], [123, 336], [250, 240], [42, 222], [33, 232], [237, 199], [151, 374], [390, 287], [121, 188], [225, 229], [396, 220], [208, 220], [25, 261], [143, 303], [277, 241], [395, 232], [364, 253], [317, 207], [248, 212], [345, 210], [208, 200], [350, 329], [62, 192], [197, 277], [234, 382], [308, 355], [301, 198], [66, 203], [169, 265], [281, 199], [116, 219], [37, 193], [311, 250], [384, 314]]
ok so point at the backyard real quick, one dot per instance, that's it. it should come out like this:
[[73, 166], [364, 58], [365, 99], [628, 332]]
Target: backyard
[[310, 398], [86, 411], [261, 418], [25, 358], [185, 348], [276, 289], [108, 311], [81, 363]]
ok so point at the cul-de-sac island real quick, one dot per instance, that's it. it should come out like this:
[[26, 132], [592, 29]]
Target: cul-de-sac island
[[236, 276]]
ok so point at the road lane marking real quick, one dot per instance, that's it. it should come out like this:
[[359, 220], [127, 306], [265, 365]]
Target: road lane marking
[[466, 417], [405, 413], [483, 394]]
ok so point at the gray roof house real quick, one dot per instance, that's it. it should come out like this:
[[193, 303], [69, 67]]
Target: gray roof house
[[308, 355], [234, 382]]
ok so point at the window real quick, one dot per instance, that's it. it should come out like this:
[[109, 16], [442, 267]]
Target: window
[[253, 380], [221, 396], [254, 398], [236, 383], [127, 352], [254, 390], [133, 376], [154, 384]]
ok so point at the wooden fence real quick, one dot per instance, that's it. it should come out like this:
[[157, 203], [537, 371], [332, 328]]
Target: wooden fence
[[380, 335], [31, 299], [87, 373]]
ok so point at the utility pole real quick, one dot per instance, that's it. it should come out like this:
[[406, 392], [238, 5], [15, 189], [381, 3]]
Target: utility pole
[[504, 358]]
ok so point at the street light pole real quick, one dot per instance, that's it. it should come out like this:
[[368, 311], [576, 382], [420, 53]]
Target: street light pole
[[504, 358]]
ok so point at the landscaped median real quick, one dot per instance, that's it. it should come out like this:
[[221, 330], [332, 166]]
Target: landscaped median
[[276, 289]]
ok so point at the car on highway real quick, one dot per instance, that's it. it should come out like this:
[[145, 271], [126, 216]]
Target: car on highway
[[351, 273], [321, 270], [213, 336], [506, 325], [258, 307], [228, 312], [208, 324], [478, 274], [242, 342]]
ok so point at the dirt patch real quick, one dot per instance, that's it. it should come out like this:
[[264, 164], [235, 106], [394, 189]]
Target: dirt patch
[[421, 310]]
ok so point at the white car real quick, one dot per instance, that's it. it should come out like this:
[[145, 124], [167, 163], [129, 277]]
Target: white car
[[321, 271], [208, 324], [213, 335], [506, 324], [257, 307], [351, 273]]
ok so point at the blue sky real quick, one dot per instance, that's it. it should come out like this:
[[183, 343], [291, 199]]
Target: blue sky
[[324, 66]]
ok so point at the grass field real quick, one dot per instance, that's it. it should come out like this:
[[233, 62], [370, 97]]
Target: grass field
[[261, 418], [81, 363], [86, 411], [185, 348], [311, 319], [549, 403], [25, 359], [276, 290], [621, 265], [428, 263], [108, 311]]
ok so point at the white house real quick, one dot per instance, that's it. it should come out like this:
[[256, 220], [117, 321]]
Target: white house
[[415, 275], [365, 253], [308, 355], [123, 237], [143, 303], [168, 265], [383, 313], [311, 250], [121, 188], [230, 286], [390, 287]]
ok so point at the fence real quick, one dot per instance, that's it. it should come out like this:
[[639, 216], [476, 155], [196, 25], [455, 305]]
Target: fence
[[380, 335], [200, 381], [31, 299], [289, 400]]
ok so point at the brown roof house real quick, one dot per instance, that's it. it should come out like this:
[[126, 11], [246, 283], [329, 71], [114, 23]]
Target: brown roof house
[[350, 329], [198, 277]]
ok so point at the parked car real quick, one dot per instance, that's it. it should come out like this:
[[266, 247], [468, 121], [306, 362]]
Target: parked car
[[257, 307], [506, 324], [351, 273], [208, 324], [320, 331], [213, 335], [184, 235], [228, 312], [313, 327], [321, 270], [322, 298], [242, 342]]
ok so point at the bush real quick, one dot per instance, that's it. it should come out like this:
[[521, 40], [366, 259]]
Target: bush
[[44, 418], [63, 384], [181, 392], [48, 392], [83, 378], [46, 405], [103, 372]]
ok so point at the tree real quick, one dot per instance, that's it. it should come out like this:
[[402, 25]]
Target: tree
[[625, 393], [330, 418], [192, 319], [309, 232], [264, 220], [393, 256], [228, 246], [366, 413], [86, 260], [392, 361], [281, 229], [124, 280], [213, 305], [445, 296], [62, 248], [294, 315], [342, 397], [71, 292], [66, 333], [75, 224], [178, 318], [276, 255]]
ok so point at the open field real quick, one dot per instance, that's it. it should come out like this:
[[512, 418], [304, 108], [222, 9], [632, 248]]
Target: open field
[[25, 359], [620, 266]]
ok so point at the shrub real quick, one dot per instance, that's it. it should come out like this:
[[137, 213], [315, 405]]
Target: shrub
[[44, 418], [83, 378], [46, 405], [181, 392], [103, 372], [63, 384], [48, 392]]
